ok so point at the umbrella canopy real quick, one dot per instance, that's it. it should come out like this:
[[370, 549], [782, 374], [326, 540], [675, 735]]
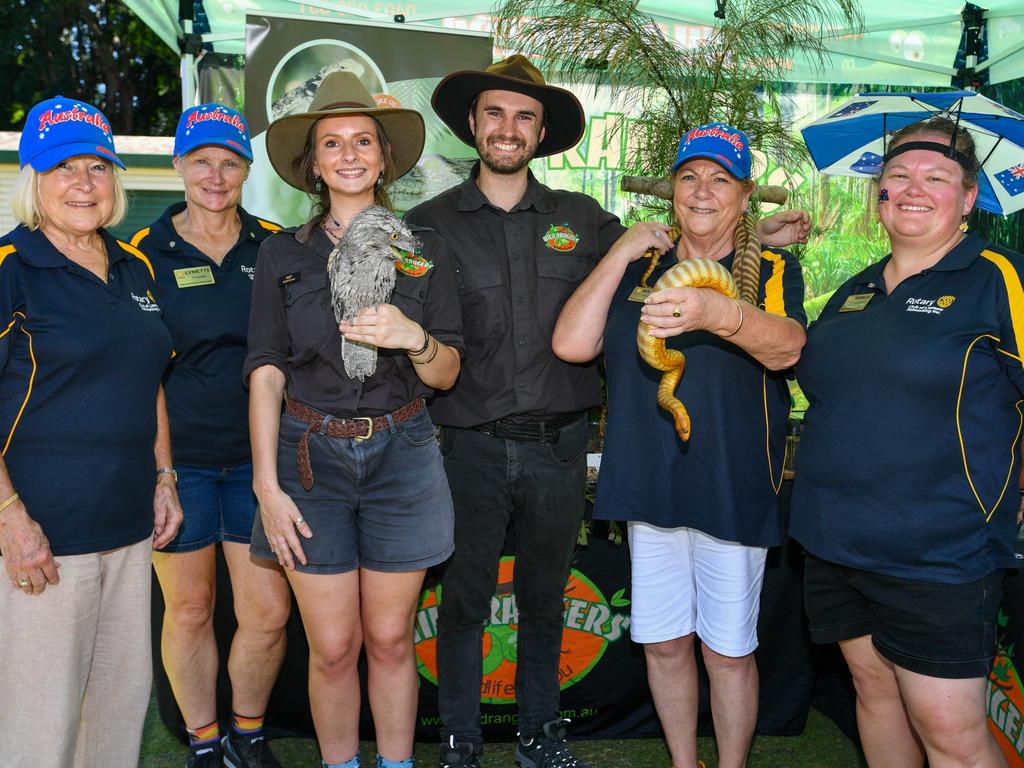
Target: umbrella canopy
[[852, 140]]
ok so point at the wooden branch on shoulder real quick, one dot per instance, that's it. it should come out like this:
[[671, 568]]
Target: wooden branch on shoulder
[[645, 185]]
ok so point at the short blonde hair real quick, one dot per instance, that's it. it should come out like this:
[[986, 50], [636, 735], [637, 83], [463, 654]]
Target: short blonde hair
[[27, 209]]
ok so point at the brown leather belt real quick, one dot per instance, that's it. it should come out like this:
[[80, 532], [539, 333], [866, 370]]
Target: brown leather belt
[[358, 428]]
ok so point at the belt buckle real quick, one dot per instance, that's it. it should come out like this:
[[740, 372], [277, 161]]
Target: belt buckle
[[369, 428]]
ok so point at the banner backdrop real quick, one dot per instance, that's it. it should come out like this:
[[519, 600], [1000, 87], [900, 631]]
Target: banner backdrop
[[400, 64]]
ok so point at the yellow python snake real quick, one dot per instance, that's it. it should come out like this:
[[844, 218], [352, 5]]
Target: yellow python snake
[[691, 273]]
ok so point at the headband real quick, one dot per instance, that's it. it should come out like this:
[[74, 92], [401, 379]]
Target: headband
[[948, 150]]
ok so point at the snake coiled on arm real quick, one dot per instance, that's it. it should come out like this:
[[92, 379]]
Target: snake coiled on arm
[[690, 273]]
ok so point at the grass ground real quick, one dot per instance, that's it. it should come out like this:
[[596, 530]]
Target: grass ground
[[821, 745]]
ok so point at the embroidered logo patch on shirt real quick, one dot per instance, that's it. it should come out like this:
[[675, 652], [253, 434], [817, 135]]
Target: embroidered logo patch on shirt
[[930, 306], [561, 238], [146, 303], [412, 264]]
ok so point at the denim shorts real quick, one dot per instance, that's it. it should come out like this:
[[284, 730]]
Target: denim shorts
[[382, 503], [939, 630], [218, 503]]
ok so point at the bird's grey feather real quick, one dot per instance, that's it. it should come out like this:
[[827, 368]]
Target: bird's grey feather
[[361, 269]]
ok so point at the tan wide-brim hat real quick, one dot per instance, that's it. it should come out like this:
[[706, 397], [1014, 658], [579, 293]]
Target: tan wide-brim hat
[[341, 93], [563, 112]]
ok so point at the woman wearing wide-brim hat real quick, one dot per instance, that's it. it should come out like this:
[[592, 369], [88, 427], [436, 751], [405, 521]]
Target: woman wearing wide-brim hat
[[353, 498]]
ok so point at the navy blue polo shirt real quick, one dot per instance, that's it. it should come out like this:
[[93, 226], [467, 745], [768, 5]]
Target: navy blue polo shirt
[[725, 480], [206, 306], [909, 457], [80, 365]]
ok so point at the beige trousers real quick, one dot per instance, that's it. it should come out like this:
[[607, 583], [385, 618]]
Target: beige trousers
[[76, 664]]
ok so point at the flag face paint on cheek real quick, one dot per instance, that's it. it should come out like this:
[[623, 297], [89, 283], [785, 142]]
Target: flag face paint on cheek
[[883, 195]]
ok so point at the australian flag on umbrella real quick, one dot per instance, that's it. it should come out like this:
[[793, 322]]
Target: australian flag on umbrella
[[1012, 179], [851, 109]]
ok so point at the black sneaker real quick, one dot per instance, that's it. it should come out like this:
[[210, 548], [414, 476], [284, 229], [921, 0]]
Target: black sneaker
[[459, 754], [548, 750], [205, 756], [241, 751]]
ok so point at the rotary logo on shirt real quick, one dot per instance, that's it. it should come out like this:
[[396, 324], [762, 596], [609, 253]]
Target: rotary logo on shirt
[[930, 306], [561, 238], [412, 264], [146, 303]]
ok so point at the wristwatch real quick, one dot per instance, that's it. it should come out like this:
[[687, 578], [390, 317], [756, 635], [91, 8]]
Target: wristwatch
[[168, 471]]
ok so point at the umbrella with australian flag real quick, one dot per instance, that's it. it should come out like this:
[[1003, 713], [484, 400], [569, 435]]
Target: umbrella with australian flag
[[851, 140]]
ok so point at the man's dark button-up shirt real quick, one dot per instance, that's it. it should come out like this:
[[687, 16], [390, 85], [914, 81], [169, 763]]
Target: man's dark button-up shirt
[[515, 270]]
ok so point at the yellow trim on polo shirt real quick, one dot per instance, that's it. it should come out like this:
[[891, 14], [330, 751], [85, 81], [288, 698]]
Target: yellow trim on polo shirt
[[31, 381], [1014, 293], [960, 435], [138, 255], [139, 236], [269, 225], [768, 436], [6, 251], [774, 297]]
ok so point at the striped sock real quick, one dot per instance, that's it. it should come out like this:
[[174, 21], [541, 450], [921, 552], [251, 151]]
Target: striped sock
[[246, 726], [204, 734]]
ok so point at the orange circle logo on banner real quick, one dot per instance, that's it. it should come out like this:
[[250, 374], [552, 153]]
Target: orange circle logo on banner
[[589, 624]]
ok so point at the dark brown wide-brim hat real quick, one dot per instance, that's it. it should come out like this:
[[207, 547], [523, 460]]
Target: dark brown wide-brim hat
[[562, 110], [341, 93]]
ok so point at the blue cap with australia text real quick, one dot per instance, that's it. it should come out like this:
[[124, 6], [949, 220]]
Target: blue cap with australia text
[[725, 145], [212, 124], [59, 128]]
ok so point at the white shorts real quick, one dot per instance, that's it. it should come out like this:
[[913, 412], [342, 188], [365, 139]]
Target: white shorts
[[686, 581]]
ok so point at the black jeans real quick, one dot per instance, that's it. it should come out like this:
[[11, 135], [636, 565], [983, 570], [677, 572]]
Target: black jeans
[[539, 489]]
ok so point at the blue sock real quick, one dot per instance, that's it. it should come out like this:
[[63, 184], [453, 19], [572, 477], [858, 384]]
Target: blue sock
[[353, 763], [384, 763]]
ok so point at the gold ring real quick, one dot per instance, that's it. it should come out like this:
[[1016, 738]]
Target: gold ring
[[675, 311], [24, 583]]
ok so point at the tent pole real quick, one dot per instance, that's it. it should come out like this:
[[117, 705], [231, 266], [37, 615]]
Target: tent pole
[[186, 13]]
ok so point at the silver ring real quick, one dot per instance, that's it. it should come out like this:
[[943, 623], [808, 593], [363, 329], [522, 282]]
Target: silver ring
[[24, 583], [300, 521]]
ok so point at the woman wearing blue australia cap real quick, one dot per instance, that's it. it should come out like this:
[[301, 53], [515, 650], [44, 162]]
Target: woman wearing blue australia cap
[[701, 513], [203, 251], [83, 438]]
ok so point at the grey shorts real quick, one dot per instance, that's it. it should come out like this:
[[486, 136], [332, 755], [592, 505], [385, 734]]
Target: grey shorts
[[381, 504]]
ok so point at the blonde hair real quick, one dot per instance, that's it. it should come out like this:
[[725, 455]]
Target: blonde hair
[[27, 209]]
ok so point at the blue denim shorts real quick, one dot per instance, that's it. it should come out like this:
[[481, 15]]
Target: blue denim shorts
[[218, 503], [382, 503]]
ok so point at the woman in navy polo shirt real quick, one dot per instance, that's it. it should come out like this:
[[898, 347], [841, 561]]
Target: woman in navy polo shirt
[[354, 502], [701, 514], [203, 251], [82, 352], [905, 498]]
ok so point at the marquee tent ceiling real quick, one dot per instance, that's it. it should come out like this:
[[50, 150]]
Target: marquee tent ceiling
[[905, 43]]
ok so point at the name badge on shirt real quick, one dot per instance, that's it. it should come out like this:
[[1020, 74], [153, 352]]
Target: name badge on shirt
[[193, 276], [640, 293], [856, 302]]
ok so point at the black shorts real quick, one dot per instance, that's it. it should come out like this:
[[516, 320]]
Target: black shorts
[[938, 630]]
